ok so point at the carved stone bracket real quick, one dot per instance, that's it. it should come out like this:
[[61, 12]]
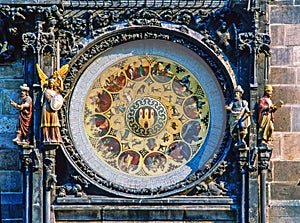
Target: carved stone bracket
[[26, 157], [49, 165], [264, 156], [243, 158], [29, 158]]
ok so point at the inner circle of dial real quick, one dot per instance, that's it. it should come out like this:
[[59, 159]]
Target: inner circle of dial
[[146, 116]]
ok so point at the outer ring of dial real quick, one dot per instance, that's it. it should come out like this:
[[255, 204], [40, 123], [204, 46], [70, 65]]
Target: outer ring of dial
[[157, 47]]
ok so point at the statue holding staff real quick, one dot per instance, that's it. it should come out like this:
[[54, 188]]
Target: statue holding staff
[[239, 117], [24, 106]]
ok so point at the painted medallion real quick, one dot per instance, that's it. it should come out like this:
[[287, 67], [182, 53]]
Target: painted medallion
[[146, 116]]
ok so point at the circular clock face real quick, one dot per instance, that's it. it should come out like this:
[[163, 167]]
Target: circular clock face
[[146, 115]]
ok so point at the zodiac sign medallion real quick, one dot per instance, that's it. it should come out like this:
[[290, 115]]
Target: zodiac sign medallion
[[148, 117]]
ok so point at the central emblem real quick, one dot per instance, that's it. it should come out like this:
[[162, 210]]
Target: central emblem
[[146, 117]]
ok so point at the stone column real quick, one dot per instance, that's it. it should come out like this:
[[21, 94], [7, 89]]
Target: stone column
[[243, 154], [30, 165], [264, 156], [27, 161], [49, 179]]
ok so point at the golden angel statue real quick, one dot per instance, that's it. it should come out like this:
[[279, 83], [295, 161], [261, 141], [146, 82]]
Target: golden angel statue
[[52, 101]]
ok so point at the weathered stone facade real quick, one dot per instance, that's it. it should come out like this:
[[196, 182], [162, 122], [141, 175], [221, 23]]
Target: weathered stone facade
[[50, 199], [284, 76], [11, 176]]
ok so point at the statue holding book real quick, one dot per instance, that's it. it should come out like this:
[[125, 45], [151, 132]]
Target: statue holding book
[[266, 110]]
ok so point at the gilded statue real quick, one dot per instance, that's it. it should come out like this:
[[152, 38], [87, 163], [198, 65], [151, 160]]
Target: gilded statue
[[52, 101]]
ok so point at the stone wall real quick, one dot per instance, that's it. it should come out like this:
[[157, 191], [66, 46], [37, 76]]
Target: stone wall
[[10, 175], [284, 179]]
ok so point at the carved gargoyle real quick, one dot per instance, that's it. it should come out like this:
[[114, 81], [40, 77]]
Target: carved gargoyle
[[70, 189]]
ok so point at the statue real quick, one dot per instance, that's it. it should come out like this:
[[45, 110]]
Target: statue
[[70, 189], [266, 111], [25, 112], [226, 35], [239, 117], [52, 101]]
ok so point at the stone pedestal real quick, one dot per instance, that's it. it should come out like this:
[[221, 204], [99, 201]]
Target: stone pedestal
[[96, 208]]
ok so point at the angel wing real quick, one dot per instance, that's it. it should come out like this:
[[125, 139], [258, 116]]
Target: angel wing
[[59, 73], [62, 71], [43, 76]]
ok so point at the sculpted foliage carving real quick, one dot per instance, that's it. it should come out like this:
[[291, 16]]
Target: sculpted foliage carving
[[259, 42], [72, 28]]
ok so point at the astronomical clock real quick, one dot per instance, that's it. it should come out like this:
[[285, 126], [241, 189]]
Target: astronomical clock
[[142, 89], [145, 118]]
